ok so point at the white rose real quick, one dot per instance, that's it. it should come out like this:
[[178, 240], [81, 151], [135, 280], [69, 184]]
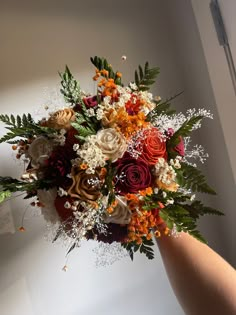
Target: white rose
[[121, 213], [40, 150], [111, 143], [47, 198]]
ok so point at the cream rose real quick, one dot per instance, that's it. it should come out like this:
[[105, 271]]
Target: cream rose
[[121, 213], [112, 143], [61, 119], [40, 150]]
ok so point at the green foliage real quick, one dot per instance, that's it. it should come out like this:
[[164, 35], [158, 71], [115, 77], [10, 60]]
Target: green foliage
[[12, 184], [182, 214], [177, 215], [145, 77], [108, 186], [84, 131], [70, 88], [23, 127], [197, 209], [129, 248], [58, 234], [144, 248], [184, 131], [185, 215], [102, 64], [71, 248], [4, 195], [84, 126], [162, 108], [190, 177]]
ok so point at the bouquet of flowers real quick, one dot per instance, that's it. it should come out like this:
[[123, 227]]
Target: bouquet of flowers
[[114, 166]]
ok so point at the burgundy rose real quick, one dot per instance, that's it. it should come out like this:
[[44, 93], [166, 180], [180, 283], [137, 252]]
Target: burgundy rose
[[70, 138], [180, 146], [59, 165], [132, 175], [114, 233], [64, 213], [90, 101]]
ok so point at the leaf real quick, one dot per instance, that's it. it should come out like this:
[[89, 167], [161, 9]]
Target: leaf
[[59, 232], [70, 87], [148, 251], [83, 132], [183, 131], [128, 247], [197, 209], [71, 248], [145, 78], [13, 184], [24, 120], [24, 127], [163, 108], [4, 195], [190, 177], [131, 254], [13, 119], [18, 121]]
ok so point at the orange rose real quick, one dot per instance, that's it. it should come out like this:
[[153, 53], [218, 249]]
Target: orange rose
[[153, 147]]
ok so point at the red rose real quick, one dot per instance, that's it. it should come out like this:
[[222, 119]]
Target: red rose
[[180, 146], [132, 175], [153, 147], [90, 101]]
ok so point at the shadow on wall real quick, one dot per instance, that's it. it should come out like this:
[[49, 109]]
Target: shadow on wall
[[37, 37]]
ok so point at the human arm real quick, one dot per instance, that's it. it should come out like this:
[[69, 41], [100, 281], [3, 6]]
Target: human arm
[[203, 282]]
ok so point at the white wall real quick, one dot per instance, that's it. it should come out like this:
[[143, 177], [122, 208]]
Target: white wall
[[36, 41], [228, 9], [207, 83], [225, 102]]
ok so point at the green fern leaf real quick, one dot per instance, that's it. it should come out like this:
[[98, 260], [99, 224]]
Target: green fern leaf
[[178, 216], [70, 87], [145, 78], [128, 247], [147, 250], [18, 119], [83, 132], [163, 108], [24, 127], [197, 209], [191, 178], [183, 131], [13, 120]]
